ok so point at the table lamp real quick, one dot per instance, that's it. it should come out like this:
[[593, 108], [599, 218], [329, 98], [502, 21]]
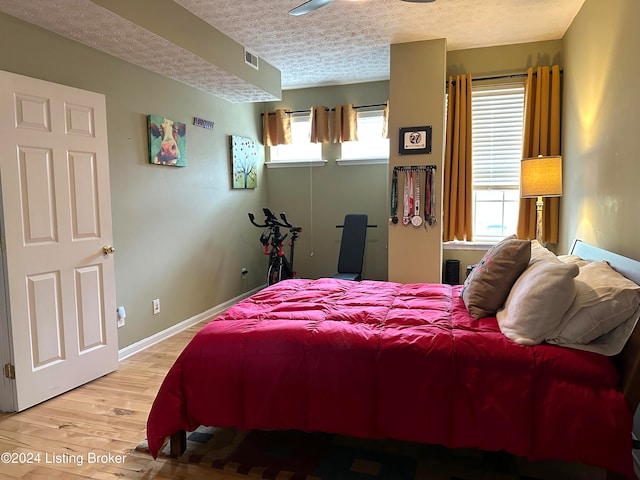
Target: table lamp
[[541, 177]]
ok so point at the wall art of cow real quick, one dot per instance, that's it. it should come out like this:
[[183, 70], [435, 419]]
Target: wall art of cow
[[167, 141]]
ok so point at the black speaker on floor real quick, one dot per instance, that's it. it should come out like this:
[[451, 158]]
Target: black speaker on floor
[[452, 272]]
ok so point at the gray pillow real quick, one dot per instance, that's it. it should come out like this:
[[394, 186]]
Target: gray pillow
[[486, 288]]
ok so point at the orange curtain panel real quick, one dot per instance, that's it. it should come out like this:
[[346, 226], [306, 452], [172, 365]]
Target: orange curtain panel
[[541, 137], [457, 203]]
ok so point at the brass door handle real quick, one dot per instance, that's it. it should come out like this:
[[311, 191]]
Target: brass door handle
[[108, 250]]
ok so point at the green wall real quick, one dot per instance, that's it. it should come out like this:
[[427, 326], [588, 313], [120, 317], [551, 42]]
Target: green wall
[[317, 198], [601, 114], [181, 234]]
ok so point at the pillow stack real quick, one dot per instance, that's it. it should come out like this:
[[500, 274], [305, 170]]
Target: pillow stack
[[564, 300]]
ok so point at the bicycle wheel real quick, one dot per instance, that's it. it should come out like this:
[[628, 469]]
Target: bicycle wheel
[[274, 274]]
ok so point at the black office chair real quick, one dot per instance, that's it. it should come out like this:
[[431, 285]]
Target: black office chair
[[351, 258]]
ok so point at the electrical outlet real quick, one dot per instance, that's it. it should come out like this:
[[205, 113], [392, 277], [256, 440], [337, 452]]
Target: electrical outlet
[[121, 316], [156, 306], [244, 272]]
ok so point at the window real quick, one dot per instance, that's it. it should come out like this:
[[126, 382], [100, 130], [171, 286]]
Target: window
[[300, 148], [371, 147], [497, 119]]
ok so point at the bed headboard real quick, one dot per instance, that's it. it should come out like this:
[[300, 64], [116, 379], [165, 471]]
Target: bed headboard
[[628, 361]]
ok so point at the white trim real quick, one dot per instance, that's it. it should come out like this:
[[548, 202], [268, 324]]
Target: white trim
[[296, 163], [137, 347], [362, 161], [466, 246]]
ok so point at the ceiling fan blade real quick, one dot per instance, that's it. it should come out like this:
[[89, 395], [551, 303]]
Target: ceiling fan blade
[[309, 6]]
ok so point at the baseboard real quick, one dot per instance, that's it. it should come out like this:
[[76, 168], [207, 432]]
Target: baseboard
[[134, 348]]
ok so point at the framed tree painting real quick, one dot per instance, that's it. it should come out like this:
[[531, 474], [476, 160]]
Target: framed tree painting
[[167, 141], [244, 162]]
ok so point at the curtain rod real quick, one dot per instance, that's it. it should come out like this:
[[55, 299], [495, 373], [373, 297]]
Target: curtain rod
[[499, 77], [355, 107]]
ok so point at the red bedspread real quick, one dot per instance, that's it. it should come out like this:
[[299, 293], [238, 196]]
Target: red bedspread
[[380, 359]]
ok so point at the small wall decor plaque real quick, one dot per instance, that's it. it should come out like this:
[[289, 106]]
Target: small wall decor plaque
[[415, 140], [167, 141], [200, 122], [244, 162]]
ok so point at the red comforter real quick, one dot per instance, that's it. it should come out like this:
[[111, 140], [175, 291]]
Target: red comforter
[[380, 359]]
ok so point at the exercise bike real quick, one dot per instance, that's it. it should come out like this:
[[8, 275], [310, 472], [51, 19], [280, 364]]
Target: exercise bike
[[272, 240]]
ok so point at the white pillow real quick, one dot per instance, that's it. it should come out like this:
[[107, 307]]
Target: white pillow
[[538, 301], [605, 299]]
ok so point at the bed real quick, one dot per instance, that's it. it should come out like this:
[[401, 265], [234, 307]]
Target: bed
[[408, 362]]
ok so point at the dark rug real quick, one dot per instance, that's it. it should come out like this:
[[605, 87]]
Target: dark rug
[[294, 455]]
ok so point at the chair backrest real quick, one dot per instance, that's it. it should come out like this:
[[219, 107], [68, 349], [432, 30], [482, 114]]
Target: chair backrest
[[354, 235]]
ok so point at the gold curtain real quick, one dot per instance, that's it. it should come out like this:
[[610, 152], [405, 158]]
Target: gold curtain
[[276, 128], [385, 121], [457, 203], [320, 125], [345, 124], [541, 137]]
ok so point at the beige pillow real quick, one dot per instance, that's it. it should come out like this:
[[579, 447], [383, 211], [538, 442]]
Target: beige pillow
[[538, 301], [540, 253], [488, 285], [605, 299], [581, 262]]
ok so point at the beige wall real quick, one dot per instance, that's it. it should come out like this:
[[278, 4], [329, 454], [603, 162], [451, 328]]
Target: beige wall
[[504, 60], [601, 114], [417, 98], [317, 198], [181, 234]]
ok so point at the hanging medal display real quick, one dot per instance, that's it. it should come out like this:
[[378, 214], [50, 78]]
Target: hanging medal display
[[416, 220], [413, 206]]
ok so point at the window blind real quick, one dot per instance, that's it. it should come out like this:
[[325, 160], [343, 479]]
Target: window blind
[[497, 117]]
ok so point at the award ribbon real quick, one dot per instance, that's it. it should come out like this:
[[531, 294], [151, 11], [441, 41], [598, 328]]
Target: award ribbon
[[416, 220]]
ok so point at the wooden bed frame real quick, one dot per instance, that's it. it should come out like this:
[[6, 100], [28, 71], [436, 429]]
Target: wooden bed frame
[[627, 362]]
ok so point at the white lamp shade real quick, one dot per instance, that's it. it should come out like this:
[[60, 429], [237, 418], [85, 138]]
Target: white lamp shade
[[541, 177]]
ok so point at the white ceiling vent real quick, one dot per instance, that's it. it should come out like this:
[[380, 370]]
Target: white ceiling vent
[[251, 59]]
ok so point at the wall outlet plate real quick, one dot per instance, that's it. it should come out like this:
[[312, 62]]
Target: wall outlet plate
[[156, 306]]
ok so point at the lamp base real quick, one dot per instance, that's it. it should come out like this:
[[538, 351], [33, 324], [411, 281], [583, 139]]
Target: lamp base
[[539, 205]]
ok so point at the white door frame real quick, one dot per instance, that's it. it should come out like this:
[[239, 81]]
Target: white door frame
[[7, 386]]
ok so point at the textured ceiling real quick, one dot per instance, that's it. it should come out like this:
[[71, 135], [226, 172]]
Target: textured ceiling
[[344, 42]]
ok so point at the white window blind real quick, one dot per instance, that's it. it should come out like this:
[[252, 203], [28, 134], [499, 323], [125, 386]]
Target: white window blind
[[497, 114], [497, 118]]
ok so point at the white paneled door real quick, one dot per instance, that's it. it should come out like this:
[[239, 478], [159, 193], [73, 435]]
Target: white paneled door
[[54, 174]]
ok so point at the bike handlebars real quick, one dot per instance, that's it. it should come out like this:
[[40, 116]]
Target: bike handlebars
[[272, 221]]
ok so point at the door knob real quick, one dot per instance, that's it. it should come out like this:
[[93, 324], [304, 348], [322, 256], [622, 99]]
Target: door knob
[[108, 250]]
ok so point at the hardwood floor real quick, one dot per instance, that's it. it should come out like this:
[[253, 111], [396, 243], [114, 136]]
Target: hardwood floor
[[75, 433]]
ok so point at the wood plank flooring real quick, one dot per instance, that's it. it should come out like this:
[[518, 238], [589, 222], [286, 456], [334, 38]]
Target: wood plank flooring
[[76, 432]]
